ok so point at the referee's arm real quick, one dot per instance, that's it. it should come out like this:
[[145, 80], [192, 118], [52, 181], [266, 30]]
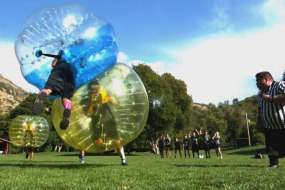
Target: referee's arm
[[277, 99]]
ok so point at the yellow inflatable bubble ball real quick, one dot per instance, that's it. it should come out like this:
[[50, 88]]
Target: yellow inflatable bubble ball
[[107, 113], [28, 131]]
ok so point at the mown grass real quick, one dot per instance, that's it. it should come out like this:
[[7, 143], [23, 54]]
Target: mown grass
[[144, 171]]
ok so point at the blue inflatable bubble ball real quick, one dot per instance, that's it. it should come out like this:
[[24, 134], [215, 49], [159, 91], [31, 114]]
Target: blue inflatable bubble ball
[[88, 43]]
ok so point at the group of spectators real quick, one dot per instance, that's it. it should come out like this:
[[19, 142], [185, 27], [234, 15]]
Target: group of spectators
[[190, 141]]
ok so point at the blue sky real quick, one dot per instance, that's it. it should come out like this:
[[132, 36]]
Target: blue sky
[[216, 47]]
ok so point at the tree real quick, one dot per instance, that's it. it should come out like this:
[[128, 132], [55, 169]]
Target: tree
[[4, 124], [182, 101], [161, 108], [24, 108]]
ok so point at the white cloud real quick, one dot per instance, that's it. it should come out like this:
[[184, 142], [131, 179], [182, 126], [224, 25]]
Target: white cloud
[[136, 62], [122, 57], [220, 68], [273, 11], [10, 68], [158, 66]]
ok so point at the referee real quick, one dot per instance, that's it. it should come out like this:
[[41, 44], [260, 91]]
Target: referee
[[272, 112]]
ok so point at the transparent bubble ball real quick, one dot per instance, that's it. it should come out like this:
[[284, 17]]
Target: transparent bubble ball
[[88, 43], [28, 131], [109, 120]]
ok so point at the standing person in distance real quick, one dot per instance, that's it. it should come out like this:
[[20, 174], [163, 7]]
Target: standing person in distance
[[271, 112], [160, 144], [177, 147], [195, 143], [167, 142], [217, 139], [207, 143], [186, 146]]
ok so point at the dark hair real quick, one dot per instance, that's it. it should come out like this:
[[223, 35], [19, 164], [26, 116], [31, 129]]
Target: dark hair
[[93, 83], [263, 74]]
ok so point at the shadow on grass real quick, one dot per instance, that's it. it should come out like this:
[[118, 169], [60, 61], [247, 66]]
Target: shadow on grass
[[221, 166], [59, 165], [249, 151], [97, 154]]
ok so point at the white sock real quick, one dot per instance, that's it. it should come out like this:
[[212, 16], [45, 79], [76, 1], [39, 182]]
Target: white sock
[[122, 154]]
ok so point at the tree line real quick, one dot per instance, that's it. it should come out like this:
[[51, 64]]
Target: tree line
[[172, 111]]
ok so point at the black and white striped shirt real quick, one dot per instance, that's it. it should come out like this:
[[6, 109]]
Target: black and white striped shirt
[[273, 114]]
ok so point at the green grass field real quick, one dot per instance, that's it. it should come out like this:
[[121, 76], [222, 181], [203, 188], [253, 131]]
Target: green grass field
[[144, 171]]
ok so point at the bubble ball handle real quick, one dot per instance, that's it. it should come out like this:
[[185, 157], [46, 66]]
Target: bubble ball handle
[[39, 53]]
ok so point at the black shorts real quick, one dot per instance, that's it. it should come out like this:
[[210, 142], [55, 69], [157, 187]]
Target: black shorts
[[217, 145], [30, 149], [195, 148], [206, 146], [61, 80], [275, 142]]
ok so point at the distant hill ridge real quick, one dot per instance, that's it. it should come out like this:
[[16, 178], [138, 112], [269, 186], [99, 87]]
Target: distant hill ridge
[[200, 106], [10, 95]]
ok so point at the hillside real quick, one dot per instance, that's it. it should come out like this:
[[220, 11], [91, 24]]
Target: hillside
[[200, 106], [10, 95]]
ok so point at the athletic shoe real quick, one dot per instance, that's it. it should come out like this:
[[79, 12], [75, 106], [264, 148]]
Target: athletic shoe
[[124, 163], [82, 160], [274, 166], [38, 103], [65, 119]]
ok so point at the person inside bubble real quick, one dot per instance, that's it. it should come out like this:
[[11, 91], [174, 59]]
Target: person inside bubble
[[29, 132], [100, 108], [60, 83], [30, 153]]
